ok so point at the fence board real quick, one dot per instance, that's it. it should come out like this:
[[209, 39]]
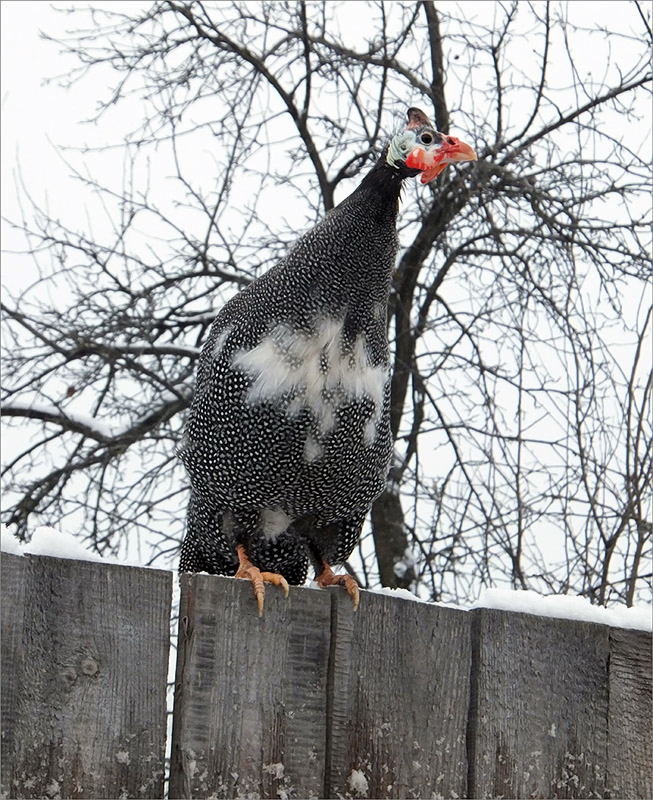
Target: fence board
[[87, 683], [399, 693], [399, 699], [12, 581], [539, 707], [250, 697], [630, 751]]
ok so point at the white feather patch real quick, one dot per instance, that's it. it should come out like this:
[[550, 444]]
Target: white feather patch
[[273, 522], [316, 371], [219, 342], [313, 450]]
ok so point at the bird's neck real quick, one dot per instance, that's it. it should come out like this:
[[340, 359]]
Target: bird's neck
[[363, 239], [359, 241], [380, 189]]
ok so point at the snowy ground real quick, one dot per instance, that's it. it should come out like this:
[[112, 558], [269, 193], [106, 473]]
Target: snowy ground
[[50, 542]]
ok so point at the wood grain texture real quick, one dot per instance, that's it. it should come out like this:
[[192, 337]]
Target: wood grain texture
[[398, 699], [250, 701], [630, 734], [538, 719], [87, 681], [12, 583]]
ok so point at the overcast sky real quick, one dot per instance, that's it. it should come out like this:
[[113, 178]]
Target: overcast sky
[[41, 119], [38, 117]]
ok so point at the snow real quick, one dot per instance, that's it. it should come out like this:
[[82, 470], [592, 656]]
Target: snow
[[101, 429], [150, 347], [561, 606], [91, 426], [51, 542], [104, 429], [276, 770], [404, 594], [566, 606], [358, 782], [9, 543], [48, 541], [402, 566]]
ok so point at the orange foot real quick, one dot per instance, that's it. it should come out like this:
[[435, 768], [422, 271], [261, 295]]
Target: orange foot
[[328, 578], [250, 572]]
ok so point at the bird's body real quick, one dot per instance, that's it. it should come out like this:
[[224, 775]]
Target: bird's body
[[288, 438]]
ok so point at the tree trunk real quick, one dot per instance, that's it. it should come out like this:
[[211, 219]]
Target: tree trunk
[[389, 529], [391, 540]]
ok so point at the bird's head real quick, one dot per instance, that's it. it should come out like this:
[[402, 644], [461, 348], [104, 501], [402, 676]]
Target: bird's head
[[420, 148]]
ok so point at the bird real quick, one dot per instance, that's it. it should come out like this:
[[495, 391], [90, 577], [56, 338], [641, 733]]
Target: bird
[[287, 441]]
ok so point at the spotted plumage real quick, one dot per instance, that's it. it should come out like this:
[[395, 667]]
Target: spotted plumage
[[288, 438]]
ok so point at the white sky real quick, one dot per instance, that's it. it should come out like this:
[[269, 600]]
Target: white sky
[[38, 118]]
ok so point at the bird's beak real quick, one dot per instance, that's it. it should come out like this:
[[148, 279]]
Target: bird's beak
[[461, 151], [434, 160]]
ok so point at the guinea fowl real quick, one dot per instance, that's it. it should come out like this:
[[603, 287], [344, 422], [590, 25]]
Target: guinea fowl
[[288, 440]]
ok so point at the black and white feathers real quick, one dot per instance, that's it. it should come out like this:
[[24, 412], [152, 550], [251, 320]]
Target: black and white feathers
[[288, 439]]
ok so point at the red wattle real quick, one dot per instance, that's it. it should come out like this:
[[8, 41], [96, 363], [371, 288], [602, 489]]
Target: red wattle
[[416, 159]]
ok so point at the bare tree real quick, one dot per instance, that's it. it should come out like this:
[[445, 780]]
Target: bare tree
[[521, 391]]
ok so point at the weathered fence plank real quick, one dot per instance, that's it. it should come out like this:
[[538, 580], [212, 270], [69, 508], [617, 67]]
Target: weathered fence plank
[[250, 702], [630, 744], [538, 720], [12, 609], [86, 685], [398, 699]]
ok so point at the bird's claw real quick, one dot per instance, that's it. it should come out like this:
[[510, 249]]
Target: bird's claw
[[328, 578], [249, 572], [352, 588]]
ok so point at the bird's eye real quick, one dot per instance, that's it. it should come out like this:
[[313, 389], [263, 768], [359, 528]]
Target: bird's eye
[[426, 138]]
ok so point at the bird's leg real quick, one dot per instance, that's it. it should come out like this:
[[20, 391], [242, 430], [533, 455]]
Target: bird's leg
[[250, 572], [327, 577]]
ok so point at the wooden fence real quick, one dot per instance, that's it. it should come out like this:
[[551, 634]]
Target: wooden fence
[[399, 699]]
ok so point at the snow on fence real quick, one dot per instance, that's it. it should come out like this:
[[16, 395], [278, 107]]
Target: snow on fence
[[399, 699]]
